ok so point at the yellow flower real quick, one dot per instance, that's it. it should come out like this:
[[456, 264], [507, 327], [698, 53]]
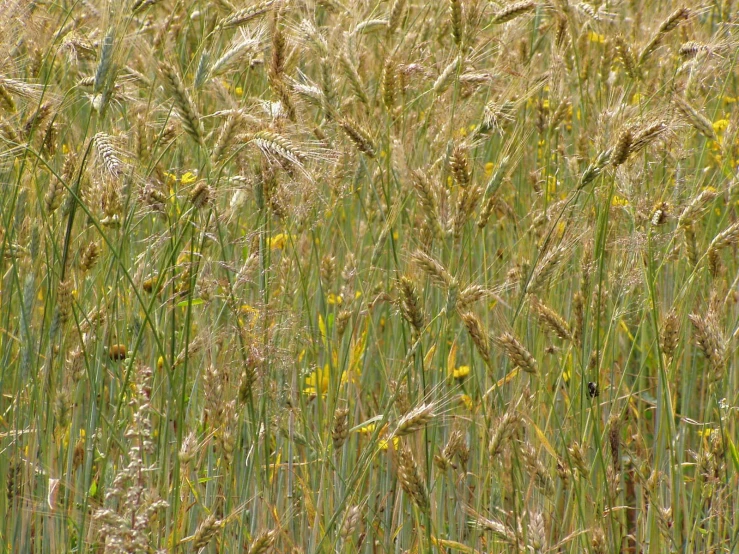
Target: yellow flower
[[619, 201], [384, 443], [239, 91], [596, 38], [489, 168], [466, 400], [278, 241], [188, 177], [335, 299], [461, 372], [317, 381], [720, 125]]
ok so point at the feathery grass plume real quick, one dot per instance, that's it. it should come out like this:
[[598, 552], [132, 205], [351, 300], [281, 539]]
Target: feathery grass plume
[[512, 11], [709, 340], [517, 353], [446, 77], [358, 136], [415, 420], [433, 269], [244, 15], [670, 334], [108, 154], [697, 205], [551, 320], [480, 339], [410, 304], [672, 21], [455, 13], [505, 427], [206, 531], [184, 106], [545, 268], [622, 148], [340, 429], [262, 542], [700, 122], [410, 479], [428, 201], [350, 71], [626, 56], [595, 168]]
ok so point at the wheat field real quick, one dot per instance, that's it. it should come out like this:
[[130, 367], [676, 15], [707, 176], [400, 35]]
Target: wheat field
[[365, 276]]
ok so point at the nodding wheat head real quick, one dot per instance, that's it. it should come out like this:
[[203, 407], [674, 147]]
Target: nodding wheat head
[[183, 103], [517, 353], [512, 11]]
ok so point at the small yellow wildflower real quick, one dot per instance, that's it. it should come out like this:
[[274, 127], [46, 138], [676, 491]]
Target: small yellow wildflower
[[317, 381], [596, 37], [720, 125], [461, 372], [239, 91], [336, 299], [489, 168], [619, 201], [466, 401], [188, 177], [278, 241]]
